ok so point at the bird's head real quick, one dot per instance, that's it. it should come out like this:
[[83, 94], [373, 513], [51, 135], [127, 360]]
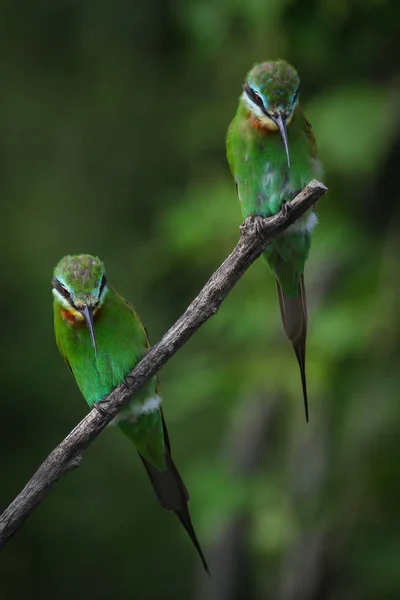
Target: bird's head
[[271, 94], [79, 287]]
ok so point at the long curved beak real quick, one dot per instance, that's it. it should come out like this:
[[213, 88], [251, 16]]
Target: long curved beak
[[280, 122], [87, 314]]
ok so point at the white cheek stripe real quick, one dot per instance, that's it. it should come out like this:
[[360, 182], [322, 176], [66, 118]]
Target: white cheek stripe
[[255, 109], [132, 412], [61, 299]]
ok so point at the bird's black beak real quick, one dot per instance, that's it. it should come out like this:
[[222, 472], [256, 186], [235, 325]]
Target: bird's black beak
[[280, 122], [87, 314]]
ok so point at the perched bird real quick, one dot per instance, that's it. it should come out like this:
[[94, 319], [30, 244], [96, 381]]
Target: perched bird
[[101, 339], [272, 154]]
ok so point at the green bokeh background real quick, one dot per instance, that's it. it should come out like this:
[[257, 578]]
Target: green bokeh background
[[112, 125]]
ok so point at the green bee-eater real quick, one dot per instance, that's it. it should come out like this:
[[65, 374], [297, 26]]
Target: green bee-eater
[[101, 339], [272, 153]]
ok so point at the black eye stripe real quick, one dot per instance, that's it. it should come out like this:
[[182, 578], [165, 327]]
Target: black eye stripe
[[60, 288], [57, 285], [256, 98], [102, 284]]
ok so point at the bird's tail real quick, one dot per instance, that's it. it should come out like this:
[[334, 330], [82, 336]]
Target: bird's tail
[[294, 319], [172, 493]]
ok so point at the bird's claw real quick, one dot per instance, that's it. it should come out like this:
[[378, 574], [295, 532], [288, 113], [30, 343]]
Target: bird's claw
[[286, 209], [100, 406], [259, 227]]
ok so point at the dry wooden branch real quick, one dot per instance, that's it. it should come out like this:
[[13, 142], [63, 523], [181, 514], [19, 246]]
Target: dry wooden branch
[[255, 234]]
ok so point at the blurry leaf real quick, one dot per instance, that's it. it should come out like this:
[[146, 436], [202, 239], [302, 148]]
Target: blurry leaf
[[354, 126]]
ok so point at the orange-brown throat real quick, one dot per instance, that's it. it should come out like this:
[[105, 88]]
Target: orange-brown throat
[[261, 126], [74, 321]]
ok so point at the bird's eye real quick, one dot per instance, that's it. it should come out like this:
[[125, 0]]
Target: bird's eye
[[102, 284], [257, 98], [253, 95]]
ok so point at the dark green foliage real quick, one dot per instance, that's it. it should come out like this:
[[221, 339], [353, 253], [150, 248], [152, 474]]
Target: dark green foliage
[[112, 142]]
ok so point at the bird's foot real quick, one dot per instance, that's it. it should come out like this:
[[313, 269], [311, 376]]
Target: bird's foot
[[101, 407], [259, 227], [286, 209], [253, 224]]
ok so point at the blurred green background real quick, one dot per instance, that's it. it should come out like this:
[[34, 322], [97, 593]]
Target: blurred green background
[[112, 127]]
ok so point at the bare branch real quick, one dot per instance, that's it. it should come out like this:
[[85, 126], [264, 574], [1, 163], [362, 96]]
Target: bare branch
[[255, 235]]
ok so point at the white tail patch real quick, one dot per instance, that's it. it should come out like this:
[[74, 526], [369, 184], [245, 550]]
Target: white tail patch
[[135, 409], [306, 223]]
